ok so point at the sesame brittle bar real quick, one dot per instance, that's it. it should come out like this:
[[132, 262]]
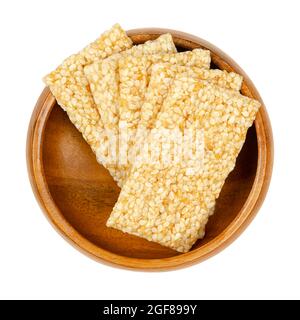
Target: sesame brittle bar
[[170, 204], [71, 89]]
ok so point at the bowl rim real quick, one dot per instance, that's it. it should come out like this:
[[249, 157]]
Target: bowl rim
[[250, 208]]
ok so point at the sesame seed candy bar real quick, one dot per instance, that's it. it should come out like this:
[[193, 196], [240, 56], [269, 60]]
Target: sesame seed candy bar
[[71, 89], [103, 77], [168, 204]]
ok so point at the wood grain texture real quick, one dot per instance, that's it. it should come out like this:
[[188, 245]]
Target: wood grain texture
[[77, 194]]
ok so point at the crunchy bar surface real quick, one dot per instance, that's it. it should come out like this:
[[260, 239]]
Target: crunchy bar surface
[[168, 204]]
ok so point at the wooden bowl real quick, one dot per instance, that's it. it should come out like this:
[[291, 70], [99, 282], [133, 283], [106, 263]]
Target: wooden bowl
[[77, 194]]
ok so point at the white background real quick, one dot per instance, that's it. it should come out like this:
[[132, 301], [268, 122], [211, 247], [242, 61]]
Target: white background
[[262, 36]]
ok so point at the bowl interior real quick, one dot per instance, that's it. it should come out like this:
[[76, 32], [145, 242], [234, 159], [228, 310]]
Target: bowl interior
[[85, 193]]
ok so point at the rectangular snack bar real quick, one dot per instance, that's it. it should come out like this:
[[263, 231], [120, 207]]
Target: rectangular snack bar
[[170, 203], [71, 89]]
